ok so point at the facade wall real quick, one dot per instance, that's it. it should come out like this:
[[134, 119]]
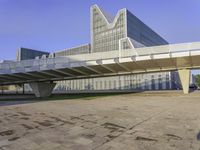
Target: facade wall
[[141, 33], [25, 54], [151, 81], [84, 49], [106, 35], [106, 32]]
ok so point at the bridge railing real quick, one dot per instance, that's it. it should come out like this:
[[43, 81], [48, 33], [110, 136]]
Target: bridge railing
[[164, 49], [51, 63]]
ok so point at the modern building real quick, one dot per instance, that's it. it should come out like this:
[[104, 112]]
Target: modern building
[[124, 31], [25, 54]]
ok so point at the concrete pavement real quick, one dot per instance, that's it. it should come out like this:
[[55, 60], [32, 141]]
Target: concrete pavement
[[143, 121]]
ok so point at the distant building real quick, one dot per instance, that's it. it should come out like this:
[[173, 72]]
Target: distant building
[[25, 54], [124, 31]]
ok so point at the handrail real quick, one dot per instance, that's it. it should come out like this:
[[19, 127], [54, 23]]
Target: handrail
[[144, 51]]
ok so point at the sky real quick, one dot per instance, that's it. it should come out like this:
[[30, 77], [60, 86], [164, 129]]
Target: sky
[[52, 25]]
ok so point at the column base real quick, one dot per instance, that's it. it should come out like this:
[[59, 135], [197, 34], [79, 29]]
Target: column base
[[42, 89], [184, 75]]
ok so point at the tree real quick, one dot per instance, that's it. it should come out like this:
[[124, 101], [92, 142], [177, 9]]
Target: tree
[[198, 80]]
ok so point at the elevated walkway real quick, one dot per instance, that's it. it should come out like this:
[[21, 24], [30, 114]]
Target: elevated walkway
[[180, 57]]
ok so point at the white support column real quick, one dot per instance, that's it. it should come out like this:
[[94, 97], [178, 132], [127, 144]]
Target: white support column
[[184, 75], [42, 89]]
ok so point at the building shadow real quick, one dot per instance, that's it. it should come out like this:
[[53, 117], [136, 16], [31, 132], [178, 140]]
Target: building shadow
[[9, 103], [79, 96], [16, 99], [13, 99]]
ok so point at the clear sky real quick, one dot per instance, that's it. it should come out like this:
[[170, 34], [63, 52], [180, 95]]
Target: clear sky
[[52, 25]]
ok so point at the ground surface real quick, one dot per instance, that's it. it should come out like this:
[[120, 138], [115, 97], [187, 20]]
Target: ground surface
[[144, 121]]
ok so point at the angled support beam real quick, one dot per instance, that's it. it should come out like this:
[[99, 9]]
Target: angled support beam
[[10, 78], [21, 77], [3, 80], [51, 74], [92, 69], [34, 75], [64, 73], [99, 62], [81, 72], [111, 70], [184, 75], [124, 67], [135, 61], [117, 61]]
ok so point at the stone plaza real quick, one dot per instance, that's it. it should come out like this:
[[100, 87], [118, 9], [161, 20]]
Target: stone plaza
[[166, 120]]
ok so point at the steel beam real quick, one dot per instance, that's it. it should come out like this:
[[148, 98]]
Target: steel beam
[[50, 74], [35, 75], [81, 72], [64, 73], [8, 78], [91, 69], [102, 65], [117, 61], [22, 77], [134, 61]]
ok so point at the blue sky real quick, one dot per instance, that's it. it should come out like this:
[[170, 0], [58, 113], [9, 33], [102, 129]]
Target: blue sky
[[52, 25]]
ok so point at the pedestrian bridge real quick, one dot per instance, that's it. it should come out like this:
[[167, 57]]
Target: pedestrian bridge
[[40, 73]]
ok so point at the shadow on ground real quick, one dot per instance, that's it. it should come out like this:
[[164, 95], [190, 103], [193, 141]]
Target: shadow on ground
[[198, 136], [15, 99], [7, 100]]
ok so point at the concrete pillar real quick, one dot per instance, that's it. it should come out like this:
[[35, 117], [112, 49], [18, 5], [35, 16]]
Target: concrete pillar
[[184, 76], [42, 89]]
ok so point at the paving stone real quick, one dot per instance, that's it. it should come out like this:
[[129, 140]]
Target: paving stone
[[153, 121]]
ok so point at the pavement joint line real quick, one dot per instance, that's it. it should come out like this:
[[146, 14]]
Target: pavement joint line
[[164, 112], [59, 125], [139, 123]]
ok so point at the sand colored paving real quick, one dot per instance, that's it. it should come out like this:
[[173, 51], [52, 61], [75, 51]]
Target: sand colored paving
[[143, 121]]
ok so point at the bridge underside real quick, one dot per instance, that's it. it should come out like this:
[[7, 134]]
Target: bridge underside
[[109, 67], [103, 68]]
